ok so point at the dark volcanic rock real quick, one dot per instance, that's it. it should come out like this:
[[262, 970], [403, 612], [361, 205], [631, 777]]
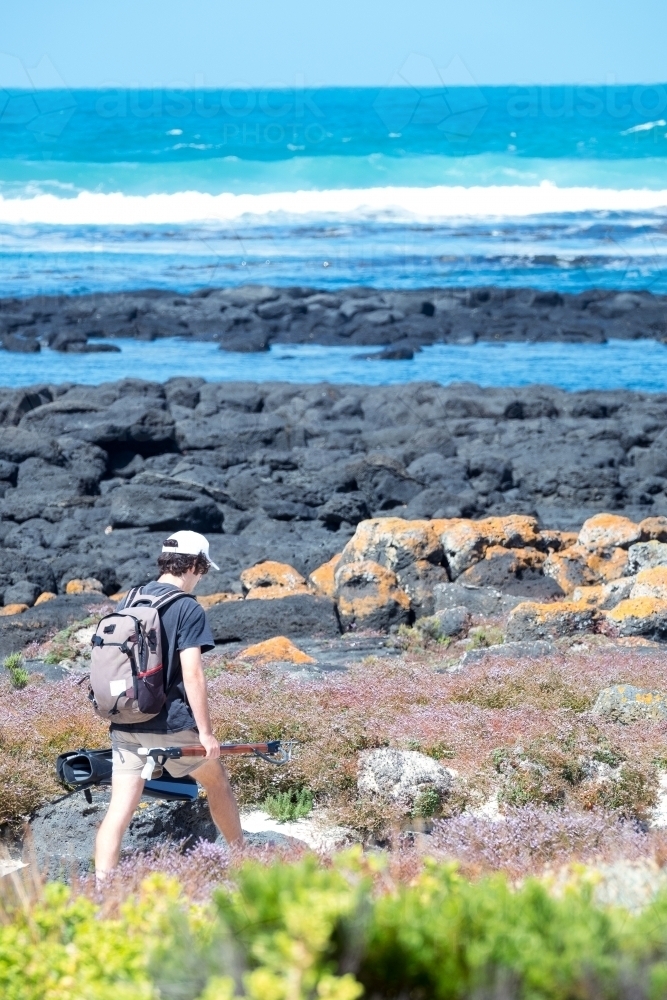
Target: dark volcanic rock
[[255, 620], [92, 478], [39, 623], [62, 834], [251, 318], [482, 601]]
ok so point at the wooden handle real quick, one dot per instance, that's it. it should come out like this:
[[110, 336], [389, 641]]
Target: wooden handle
[[227, 749]]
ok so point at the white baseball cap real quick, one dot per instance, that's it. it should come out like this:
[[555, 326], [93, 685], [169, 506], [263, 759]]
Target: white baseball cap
[[188, 543]]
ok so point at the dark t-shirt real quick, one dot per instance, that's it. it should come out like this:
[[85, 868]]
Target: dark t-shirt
[[184, 625]]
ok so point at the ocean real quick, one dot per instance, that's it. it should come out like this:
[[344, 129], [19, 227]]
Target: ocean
[[557, 187]]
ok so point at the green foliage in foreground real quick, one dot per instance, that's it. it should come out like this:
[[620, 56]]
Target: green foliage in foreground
[[301, 931]]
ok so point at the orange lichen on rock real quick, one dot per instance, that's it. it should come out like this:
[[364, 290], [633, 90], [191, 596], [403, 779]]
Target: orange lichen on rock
[[322, 578], [209, 600], [571, 569], [553, 540], [639, 616], [530, 620], [276, 650], [651, 583], [119, 596], [394, 542], [654, 529], [268, 580], [465, 542], [593, 596], [606, 531], [88, 586], [13, 609], [45, 596], [609, 564], [369, 594], [604, 595]]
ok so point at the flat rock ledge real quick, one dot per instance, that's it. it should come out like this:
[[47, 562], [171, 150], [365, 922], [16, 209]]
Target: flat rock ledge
[[252, 317]]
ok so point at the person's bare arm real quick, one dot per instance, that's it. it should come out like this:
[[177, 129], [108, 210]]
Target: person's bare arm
[[195, 688]]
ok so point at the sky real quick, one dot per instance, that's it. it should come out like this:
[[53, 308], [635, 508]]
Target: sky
[[265, 43]]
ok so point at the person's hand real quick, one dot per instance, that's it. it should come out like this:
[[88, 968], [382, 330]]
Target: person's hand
[[211, 744]]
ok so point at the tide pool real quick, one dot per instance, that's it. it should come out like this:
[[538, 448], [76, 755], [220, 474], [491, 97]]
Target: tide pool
[[638, 365]]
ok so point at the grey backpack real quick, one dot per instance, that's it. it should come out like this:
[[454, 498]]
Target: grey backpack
[[127, 681]]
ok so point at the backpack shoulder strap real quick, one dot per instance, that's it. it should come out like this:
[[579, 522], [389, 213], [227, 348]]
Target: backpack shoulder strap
[[163, 602], [139, 599], [131, 596]]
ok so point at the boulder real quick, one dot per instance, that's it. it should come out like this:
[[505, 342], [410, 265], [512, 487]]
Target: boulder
[[294, 617], [401, 776], [89, 585], [530, 620], [646, 616], [465, 542], [394, 543], [368, 595], [514, 571], [276, 650], [482, 601], [646, 555], [132, 419], [40, 622], [46, 595], [22, 592], [165, 507], [625, 703], [654, 528], [605, 595], [411, 549], [571, 568], [322, 579], [607, 531], [268, 580], [13, 609], [445, 624], [609, 564], [650, 583]]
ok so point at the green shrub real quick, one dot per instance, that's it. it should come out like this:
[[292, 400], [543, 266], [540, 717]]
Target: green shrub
[[290, 805], [18, 675], [336, 932]]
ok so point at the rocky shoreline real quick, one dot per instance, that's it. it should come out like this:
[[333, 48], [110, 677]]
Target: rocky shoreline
[[93, 477], [252, 318]]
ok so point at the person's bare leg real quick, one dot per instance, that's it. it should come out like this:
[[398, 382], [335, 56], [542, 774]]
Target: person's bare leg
[[126, 791], [224, 810]]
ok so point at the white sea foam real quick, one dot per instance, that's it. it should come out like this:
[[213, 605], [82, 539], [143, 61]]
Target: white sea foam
[[421, 204], [646, 127]]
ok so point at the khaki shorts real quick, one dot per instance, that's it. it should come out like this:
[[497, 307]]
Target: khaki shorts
[[126, 760]]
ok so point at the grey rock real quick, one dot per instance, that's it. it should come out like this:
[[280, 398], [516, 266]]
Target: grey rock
[[256, 620], [625, 703], [62, 834], [483, 601], [401, 776], [164, 506], [446, 623], [23, 592], [533, 650], [39, 623], [646, 555]]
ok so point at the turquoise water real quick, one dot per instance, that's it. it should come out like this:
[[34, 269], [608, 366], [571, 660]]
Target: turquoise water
[[640, 365], [556, 187]]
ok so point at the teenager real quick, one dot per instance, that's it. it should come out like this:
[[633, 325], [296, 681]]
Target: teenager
[[185, 718]]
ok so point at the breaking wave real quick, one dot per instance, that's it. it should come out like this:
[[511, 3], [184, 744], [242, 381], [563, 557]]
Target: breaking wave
[[419, 203]]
